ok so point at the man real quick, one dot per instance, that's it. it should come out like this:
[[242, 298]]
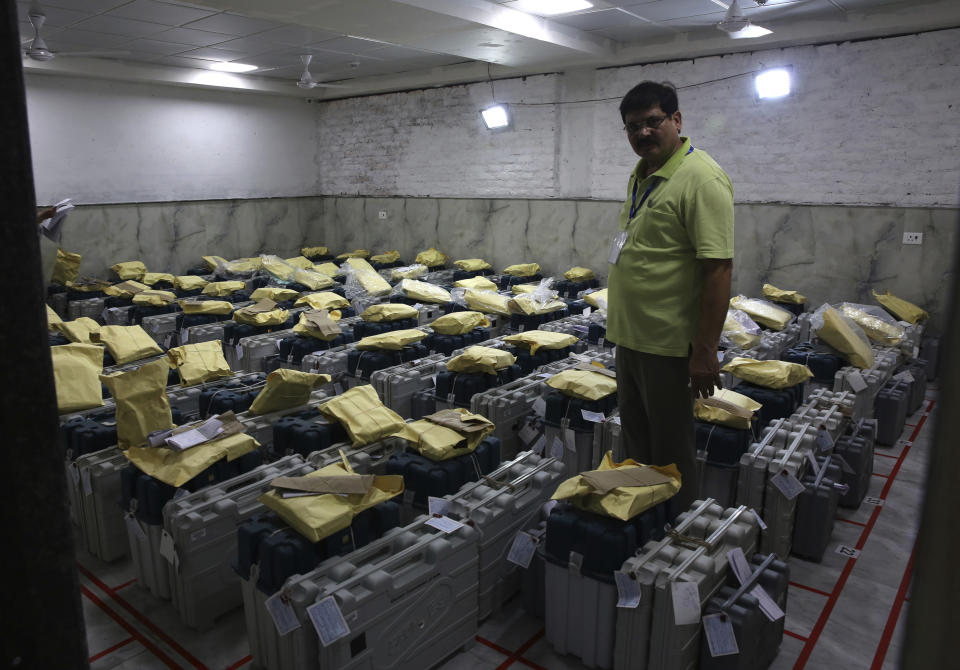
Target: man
[[669, 283]]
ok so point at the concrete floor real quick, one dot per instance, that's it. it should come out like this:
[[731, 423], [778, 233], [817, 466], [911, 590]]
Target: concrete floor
[[842, 613]]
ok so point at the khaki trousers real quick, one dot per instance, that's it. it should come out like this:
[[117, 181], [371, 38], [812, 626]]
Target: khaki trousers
[[656, 415]]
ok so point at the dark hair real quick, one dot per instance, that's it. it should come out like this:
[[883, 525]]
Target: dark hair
[[647, 94]]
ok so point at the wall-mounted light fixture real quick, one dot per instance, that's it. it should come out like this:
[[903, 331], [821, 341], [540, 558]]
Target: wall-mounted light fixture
[[773, 83], [496, 117]]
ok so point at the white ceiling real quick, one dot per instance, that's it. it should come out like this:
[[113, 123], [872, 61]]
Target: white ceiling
[[379, 45]]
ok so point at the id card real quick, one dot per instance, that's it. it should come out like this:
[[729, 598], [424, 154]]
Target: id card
[[617, 246]]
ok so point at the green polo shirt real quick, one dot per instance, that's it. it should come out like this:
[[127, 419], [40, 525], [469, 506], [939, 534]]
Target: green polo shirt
[[655, 287]]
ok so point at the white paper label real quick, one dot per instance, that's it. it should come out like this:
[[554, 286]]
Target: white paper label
[[284, 618], [686, 603], [915, 352], [444, 523], [615, 419], [767, 604], [759, 519], [824, 441], [856, 382], [738, 563], [87, 484], [720, 355], [556, 449], [814, 468], [239, 351], [538, 446], [628, 590], [586, 311], [594, 417], [540, 407], [167, 340], [721, 639], [134, 528], [787, 484], [905, 376], [522, 550], [183, 335], [570, 440], [528, 434], [437, 505], [849, 552], [167, 550], [328, 621]]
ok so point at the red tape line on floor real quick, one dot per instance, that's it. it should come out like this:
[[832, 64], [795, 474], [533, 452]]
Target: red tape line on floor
[[794, 635], [519, 652], [810, 588], [848, 568], [123, 623], [110, 650], [506, 652], [894, 613], [239, 664], [142, 619]]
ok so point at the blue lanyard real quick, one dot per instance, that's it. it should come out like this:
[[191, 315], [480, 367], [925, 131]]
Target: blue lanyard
[[634, 205]]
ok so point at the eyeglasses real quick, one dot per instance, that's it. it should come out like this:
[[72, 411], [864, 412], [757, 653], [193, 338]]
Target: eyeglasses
[[651, 123]]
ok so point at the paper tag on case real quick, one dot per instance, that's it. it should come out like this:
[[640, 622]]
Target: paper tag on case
[[767, 604], [328, 621], [759, 519], [522, 550], [528, 434], [133, 527], [721, 639], [787, 484], [538, 446], [167, 550], [686, 603], [628, 590], [437, 505], [445, 524], [284, 618], [856, 382], [239, 351], [556, 449], [738, 563], [593, 417]]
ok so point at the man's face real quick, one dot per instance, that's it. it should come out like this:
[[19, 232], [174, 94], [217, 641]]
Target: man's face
[[653, 135]]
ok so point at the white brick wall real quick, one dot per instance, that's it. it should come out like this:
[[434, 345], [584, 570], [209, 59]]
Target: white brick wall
[[869, 122]]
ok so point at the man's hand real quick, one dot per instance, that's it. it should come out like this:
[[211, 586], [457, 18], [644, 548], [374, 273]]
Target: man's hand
[[45, 214], [704, 373]]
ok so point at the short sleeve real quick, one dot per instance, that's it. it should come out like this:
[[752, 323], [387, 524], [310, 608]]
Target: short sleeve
[[709, 218]]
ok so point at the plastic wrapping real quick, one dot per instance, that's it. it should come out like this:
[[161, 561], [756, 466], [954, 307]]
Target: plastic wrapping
[[312, 279], [739, 331], [362, 280], [763, 312], [597, 299], [843, 334], [488, 302], [878, 325], [241, 267], [541, 300], [300, 262], [422, 292], [277, 268], [414, 271]]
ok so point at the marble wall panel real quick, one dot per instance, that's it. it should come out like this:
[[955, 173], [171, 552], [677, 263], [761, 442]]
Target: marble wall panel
[[830, 253]]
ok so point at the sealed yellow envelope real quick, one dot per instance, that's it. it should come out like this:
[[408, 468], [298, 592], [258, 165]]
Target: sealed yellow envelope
[[771, 374], [312, 279], [126, 343], [386, 257], [222, 288], [726, 408], [78, 330], [479, 283], [319, 516], [364, 417], [274, 293], [300, 262], [522, 270], [76, 375], [394, 340], [151, 278], [52, 319], [66, 269], [584, 384], [842, 335], [285, 389], [126, 289], [389, 311], [129, 270], [176, 468], [597, 299], [487, 302], [313, 252], [154, 298], [481, 359], [447, 434], [424, 292], [620, 490], [534, 340], [780, 295], [900, 308], [206, 306], [458, 323], [579, 274], [320, 324], [142, 404], [200, 362], [763, 312], [431, 258], [472, 264]]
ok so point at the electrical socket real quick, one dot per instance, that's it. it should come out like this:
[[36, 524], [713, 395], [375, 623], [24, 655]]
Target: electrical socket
[[913, 238], [382, 214]]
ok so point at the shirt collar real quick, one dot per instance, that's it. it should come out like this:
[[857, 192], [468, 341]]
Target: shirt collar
[[673, 163]]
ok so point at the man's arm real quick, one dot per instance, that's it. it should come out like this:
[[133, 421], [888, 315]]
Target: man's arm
[[704, 367]]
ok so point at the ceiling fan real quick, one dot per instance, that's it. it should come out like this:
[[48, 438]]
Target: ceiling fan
[[307, 81], [38, 50], [737, 26]]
